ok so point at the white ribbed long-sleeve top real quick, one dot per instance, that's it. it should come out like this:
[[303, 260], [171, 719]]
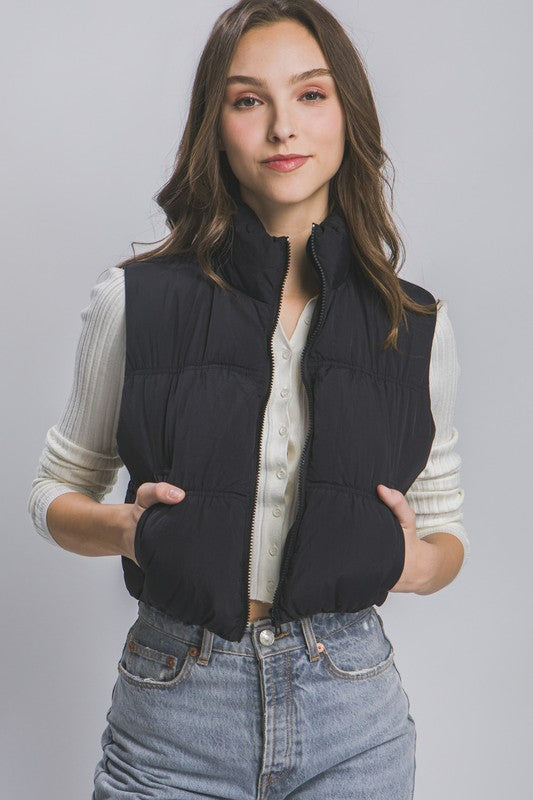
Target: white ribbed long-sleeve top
[[80, 452]]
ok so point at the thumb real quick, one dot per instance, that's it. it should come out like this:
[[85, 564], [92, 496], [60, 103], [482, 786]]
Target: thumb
[[395, 500], [175, 492], [388, 495]]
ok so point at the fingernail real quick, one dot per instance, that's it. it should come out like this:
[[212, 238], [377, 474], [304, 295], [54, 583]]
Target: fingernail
[[179, 493]]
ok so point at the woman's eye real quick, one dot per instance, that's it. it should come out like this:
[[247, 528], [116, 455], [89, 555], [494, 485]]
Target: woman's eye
[[316, 92], [238, 102]]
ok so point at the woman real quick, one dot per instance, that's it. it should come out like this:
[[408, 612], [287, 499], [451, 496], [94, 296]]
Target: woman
[[274, 390]]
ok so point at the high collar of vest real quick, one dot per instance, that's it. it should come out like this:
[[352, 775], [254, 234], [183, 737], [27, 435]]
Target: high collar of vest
[[256, 261]]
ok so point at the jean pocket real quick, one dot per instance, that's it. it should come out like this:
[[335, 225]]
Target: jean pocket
[[359, 650], [152, 658]]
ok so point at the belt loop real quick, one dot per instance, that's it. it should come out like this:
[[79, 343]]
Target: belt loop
[[205, 650], [313, 649]]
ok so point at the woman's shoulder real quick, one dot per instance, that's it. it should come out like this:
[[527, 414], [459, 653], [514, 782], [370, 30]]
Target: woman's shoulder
[[104, 314], [443, 327], [444, 350], [107, 294], [110, 282]]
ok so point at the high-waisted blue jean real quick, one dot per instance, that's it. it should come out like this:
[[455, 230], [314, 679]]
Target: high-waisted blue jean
[[318, 713]]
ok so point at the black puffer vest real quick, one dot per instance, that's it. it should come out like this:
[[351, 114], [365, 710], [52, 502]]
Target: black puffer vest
[[196, 384]]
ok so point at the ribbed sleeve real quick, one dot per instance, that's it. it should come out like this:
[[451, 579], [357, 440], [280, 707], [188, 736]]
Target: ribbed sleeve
[[436, 496], [80, 450]]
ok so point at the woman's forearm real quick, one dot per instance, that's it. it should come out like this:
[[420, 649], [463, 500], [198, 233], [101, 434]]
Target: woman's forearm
[[82, 525]]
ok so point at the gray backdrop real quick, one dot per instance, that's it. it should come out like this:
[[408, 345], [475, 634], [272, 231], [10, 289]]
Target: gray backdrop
[[95, 96]]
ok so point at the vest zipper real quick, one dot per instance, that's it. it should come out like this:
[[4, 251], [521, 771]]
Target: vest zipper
[[291, 536], [250, 549]]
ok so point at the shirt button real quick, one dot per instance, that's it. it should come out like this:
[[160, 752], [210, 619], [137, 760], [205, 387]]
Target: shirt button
[[283, 430], [281, 473], [286, 353], [308, 320], [271, 585], [276, 511], [274, 550], [266, 636], [284, 392]]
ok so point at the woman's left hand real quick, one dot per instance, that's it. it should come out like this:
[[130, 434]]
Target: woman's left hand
[[415, 571]]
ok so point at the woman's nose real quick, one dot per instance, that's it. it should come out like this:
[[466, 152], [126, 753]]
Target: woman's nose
[[281, 126]]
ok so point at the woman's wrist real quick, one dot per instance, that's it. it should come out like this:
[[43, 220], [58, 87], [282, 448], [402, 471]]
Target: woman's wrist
[[118, 524], [86, 527]]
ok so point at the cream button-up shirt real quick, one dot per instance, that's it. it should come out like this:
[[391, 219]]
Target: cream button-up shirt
[[284, 430]]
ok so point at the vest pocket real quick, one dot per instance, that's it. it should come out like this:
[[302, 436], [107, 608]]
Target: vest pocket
[[162, 475], [399, 556], [359, 650], [152, 658], [138, 531]]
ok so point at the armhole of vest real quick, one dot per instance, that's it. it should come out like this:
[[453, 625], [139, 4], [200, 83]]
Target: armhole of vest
[[428, 377], [126, 321], [129, 489]]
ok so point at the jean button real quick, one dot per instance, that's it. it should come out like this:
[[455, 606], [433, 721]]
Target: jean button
[[266, 636]]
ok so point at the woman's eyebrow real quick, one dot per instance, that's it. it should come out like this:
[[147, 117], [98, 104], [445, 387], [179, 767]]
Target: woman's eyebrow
[[303, 76]]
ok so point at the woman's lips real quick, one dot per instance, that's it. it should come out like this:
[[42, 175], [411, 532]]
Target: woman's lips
[[286, 164]]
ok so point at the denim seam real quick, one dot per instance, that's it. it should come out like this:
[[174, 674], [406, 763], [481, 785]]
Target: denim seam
[[271, 737], [288, 722]]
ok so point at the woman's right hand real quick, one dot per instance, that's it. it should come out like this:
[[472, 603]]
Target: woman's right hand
[[147, 494]]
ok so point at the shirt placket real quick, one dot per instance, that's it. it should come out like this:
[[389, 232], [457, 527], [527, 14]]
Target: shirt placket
[[282, 443]]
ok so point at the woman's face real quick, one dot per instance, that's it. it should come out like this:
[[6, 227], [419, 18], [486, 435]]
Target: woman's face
[[272, 115]]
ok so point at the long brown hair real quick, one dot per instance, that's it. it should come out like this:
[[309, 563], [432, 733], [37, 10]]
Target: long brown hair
[[198, 199]]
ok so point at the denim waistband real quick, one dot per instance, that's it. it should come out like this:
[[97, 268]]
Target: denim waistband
[[292, 635]]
